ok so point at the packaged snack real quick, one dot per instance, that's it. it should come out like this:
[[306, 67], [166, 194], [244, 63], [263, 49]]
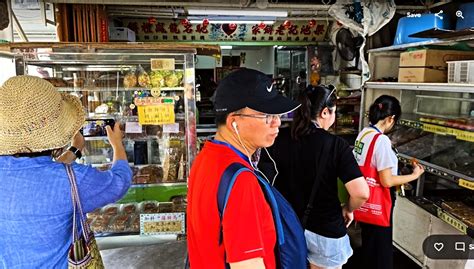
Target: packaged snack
[[129, 209], [153, 173], [143, 77], [130, 79], [111, 210], [100, 224], [119, 223], [134, 223], [165, 207], [157, 79], [150, 207]]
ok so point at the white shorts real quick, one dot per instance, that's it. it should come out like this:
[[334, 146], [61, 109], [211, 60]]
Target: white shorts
[[327, 252]]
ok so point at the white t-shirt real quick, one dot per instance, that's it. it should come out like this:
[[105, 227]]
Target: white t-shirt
[[384, 157]]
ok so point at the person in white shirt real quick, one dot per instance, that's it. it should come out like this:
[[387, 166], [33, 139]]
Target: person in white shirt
[[377, 249]]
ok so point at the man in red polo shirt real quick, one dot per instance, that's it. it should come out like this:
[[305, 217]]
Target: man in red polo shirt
[[248, 111]]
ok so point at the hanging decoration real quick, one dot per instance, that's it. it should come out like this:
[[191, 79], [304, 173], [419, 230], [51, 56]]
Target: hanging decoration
[[232, 26], [205, 22], [262, 25], [152, 20], [312, 23], [184, 22]]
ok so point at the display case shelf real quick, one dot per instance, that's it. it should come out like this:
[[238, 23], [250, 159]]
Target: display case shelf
[[443, 172], [437, 87], [413, 121], [444, 42]]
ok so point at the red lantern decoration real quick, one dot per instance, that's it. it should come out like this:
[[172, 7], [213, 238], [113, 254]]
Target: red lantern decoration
[[205, 22], [312, 23], [287, 24], [232, 26], [152, 20], [184, 22], [262, 25]]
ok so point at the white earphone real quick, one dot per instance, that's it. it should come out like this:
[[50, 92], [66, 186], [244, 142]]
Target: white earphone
[[234, 124]]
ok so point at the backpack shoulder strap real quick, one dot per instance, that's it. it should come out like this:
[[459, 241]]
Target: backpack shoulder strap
[[225, 187]]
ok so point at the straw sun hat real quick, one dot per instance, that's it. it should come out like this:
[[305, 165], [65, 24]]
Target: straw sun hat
[[35, 117]]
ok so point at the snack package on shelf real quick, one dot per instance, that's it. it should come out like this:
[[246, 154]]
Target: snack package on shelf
[[165, 207], [130, 79], [119, 223], [112, 209], [101, 223], [149, 207], [134, 225], [130, 208], [143, 77]]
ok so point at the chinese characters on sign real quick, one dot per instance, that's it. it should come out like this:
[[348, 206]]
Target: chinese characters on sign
[[162, 223], [154, 111], [171, 30]]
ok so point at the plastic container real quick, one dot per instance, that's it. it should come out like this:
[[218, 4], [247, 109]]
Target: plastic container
[[467, 19], [411, 25]]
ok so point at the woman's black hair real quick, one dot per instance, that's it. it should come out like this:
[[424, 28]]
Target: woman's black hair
[[34, 154], [313, 100], [383, 107]]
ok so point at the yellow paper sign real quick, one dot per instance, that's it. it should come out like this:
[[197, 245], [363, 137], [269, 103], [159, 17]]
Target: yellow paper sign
[[466, 184], [156, 114], [162, 64]]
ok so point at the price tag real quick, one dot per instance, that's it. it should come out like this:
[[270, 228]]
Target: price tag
[[171, 128], [466, 184], [156, 114], [162, 223], [133, 127], [162, 64], [465, 135], [434, 129], [452, 221]]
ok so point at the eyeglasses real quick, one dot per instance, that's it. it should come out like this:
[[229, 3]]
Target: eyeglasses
[[268, 117]]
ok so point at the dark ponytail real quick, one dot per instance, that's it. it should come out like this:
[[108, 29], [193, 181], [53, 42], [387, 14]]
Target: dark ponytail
[[383, 107], [313, 100]]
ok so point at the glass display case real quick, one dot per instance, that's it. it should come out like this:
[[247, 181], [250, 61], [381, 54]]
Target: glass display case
[[436, 129], [149, 89]]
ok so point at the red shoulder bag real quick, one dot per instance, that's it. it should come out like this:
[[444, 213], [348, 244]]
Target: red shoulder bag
[[376, 210]]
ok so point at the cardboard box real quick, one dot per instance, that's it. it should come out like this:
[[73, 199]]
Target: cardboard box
[[121, 34], [433, 57], [421, 74]]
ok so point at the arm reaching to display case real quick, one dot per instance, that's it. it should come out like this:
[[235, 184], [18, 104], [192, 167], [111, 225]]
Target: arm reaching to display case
[[388, 180], [73, 152], [115, 137]]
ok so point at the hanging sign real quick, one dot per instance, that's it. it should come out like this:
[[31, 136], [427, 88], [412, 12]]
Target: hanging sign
[[155, 111], [174, 30]]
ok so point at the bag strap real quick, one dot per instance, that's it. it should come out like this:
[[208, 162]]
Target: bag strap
[[77, 208], [321, 163], [370, 153]]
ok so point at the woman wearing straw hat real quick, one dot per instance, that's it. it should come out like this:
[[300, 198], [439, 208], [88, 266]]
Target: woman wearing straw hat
[[36, 122]]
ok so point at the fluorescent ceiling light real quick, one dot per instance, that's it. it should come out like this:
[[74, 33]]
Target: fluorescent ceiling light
[[237, 12], [221, 21], [225, 47]]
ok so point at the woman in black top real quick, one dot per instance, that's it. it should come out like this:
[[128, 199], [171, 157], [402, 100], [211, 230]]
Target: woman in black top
[[298, 152]]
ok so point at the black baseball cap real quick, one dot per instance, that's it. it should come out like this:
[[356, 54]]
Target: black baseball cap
[[253, 89]]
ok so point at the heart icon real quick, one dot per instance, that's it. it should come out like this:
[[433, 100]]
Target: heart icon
[[438, 246], [228, 29]]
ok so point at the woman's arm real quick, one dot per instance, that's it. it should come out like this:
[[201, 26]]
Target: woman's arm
[[358, 193], [388, 180]]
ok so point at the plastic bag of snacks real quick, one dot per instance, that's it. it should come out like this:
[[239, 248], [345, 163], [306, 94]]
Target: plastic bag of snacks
[[143, 77], [130, 79]]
